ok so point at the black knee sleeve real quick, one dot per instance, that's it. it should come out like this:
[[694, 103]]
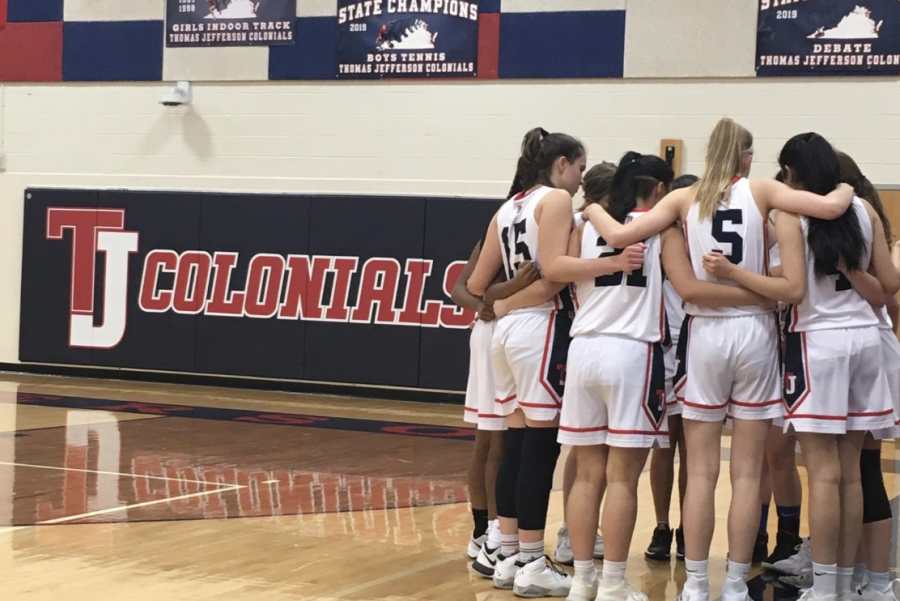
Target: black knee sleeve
[[876, 505], [508, 473], [539, 454]]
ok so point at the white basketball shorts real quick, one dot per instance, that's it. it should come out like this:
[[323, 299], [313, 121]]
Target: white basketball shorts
[[834, 382], [529, 355], [480, 388], [615, 394], [732, 369]]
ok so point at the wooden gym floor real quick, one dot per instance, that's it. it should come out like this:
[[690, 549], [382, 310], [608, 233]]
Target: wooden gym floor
[[113, 490]]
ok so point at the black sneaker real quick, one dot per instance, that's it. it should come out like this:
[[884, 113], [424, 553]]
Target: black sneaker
[[761, 548], [661, 545], [679, 544], [787, 544]]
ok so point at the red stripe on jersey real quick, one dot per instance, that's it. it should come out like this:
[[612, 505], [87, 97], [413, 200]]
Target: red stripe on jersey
[[878, 414], [766, 404], [833, 418], [709, 407], [506, 400], [546, 355], [471, 409], [641, 432]]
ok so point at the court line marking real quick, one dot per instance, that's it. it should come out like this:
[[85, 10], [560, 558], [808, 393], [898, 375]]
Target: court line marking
[[72, 469], [72, 518], [389, 578]]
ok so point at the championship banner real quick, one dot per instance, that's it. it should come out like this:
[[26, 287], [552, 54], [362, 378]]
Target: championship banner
[[407, 39], [336, 289], [230, 22], [828, 37]]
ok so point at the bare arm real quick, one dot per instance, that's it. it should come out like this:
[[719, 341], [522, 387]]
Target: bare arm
[[866, 285], [460, 295], [489, 262], [776, 195], [790, 287], [572, 268], [680, 272], [881, 256], [526, 275], [618, 235], [554, 215], [536, 294]]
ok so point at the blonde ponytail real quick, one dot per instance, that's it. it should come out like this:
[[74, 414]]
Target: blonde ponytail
[[727, 145]]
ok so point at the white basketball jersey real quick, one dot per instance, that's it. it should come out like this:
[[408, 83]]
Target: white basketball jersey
[[830, 301], [518, 231], [738, 230], [620, 304]]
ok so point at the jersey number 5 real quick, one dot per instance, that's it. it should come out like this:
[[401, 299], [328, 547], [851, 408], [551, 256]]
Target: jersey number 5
[[734, 216], [521, 248], [636, 278]]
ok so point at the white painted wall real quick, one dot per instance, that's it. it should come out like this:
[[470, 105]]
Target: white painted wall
[[457, 138]]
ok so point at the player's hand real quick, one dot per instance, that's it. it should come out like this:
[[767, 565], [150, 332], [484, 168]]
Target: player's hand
[[527, 273], [718, 266], [486, 313], [500, 309], [632, 258]]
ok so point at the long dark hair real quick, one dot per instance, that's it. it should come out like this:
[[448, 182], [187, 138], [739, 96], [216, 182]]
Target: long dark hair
[[636, 178], [540, 150], [852, 175], [815, 165]]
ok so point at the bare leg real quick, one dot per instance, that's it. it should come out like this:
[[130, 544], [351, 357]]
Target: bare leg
[[703, 441], [620, 513], [584, 499], [491, 467], [849, 449], [820, 454], [747, 459]]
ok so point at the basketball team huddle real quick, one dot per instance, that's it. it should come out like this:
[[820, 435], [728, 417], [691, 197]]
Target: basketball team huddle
[[664, 312]]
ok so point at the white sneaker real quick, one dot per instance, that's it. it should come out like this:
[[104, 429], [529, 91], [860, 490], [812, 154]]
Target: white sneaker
[[505, 572], [541, 578], [486, 562], [583, 590], [732, 590], [619, 592], [563, 553], [475, 545], [796, 564], [811, 595], [869, 593], [693, 593]]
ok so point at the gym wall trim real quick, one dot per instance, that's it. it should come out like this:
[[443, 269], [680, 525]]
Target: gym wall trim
[[314, 293]]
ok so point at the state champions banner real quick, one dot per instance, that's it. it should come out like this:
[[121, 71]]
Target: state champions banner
[[230, 22], [828, 37], [407, 39]]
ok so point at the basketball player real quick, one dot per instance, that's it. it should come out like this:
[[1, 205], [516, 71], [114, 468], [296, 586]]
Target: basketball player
[[596, 185], [732, 355], [834, 387], [662, 460], [610, 417], [873, 559], [530, 347], [479, 408]]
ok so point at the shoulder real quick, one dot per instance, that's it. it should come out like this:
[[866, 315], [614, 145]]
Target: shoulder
[[556, 196]]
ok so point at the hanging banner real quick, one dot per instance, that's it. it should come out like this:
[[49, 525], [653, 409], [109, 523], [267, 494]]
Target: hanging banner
[[230, 22], [407, 39], [828, 37]]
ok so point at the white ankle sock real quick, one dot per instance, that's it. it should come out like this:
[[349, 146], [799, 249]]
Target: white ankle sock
[[879, 581], [736, 576], [842, 581], [528, 552], [697, 576], [509, 544], [859, 574], [585, 570], [825, 578], [613, 572]]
